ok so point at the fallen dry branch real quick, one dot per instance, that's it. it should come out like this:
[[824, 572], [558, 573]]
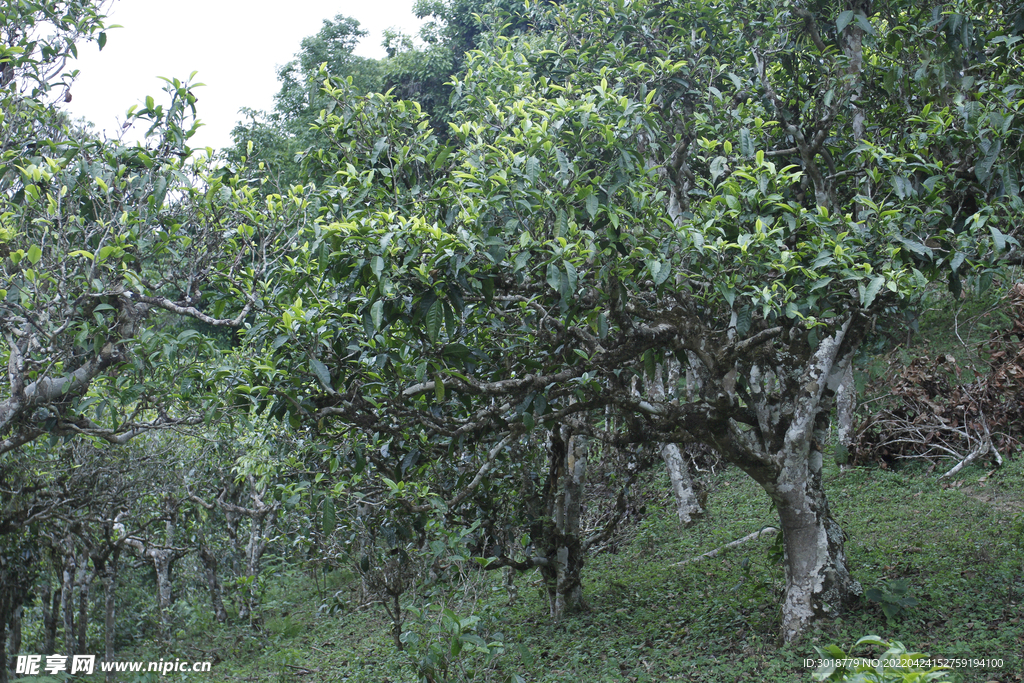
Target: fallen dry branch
[[767, 531], [984, 448], [930, 412]]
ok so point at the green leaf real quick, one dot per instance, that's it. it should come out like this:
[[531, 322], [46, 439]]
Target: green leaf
[[377, 313], [561, 223], [434, 320], [871, 290], [718, 165], [916, 247], [102, 39], [864, 24], [554, 277], [746, 144], [843, 20], [159, 192], [1011, 186], [957, 261], [377, 266], [984, 169], [532, 169], [659, 272], [871, 640], [330, 519], [572, 277], [563, 162], [34, 254], [321, 372], [592, 205], [823, 282], [998, 238]]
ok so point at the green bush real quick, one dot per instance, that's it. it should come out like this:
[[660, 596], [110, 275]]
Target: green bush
[[895, 665], [893, 597]]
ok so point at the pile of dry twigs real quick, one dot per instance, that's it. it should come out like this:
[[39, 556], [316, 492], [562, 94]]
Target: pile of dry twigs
[[930, 412]]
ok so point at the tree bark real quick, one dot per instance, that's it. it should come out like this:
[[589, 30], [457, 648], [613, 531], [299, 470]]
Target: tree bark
[[67, 605], [818, 581], [688, 507], [84, 582], [109, 604], [4, 607], [783, 454], [51, 601], [15, 641], [564, 492], [846, 406], [213, 583], [162, 561]]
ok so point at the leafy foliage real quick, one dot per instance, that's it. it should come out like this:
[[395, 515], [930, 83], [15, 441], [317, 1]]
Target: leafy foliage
[[896, 664], [894, 598]]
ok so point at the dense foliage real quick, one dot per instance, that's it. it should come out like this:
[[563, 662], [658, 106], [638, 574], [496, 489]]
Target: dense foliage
[[577, 236]]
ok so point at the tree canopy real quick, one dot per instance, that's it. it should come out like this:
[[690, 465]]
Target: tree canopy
[[744, 191], [600, 227]]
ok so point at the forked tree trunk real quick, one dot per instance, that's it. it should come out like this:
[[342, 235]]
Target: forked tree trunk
[[163, 559], [783, 455], [818, 581]]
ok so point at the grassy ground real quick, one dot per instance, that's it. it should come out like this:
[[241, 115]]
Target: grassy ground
[[715, 620]]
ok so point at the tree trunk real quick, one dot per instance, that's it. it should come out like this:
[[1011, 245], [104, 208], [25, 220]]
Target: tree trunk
[[109, 603], [688, 507], [852, 41], [846, 406], [15, 646], [563, 501], [51, 601], [818, 581], [213, 583], [85, 581], [67, 603], [4, 607], [783, 454], [162, 561]]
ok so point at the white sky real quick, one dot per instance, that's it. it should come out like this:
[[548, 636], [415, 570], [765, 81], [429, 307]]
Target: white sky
[[235, 45]]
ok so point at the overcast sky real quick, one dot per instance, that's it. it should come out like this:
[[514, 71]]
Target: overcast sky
[[235, 45]]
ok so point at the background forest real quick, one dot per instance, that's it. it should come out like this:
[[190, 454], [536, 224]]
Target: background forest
[[470, 363]]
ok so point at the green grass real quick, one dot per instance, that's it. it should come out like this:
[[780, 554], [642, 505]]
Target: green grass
[[715, 620]]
